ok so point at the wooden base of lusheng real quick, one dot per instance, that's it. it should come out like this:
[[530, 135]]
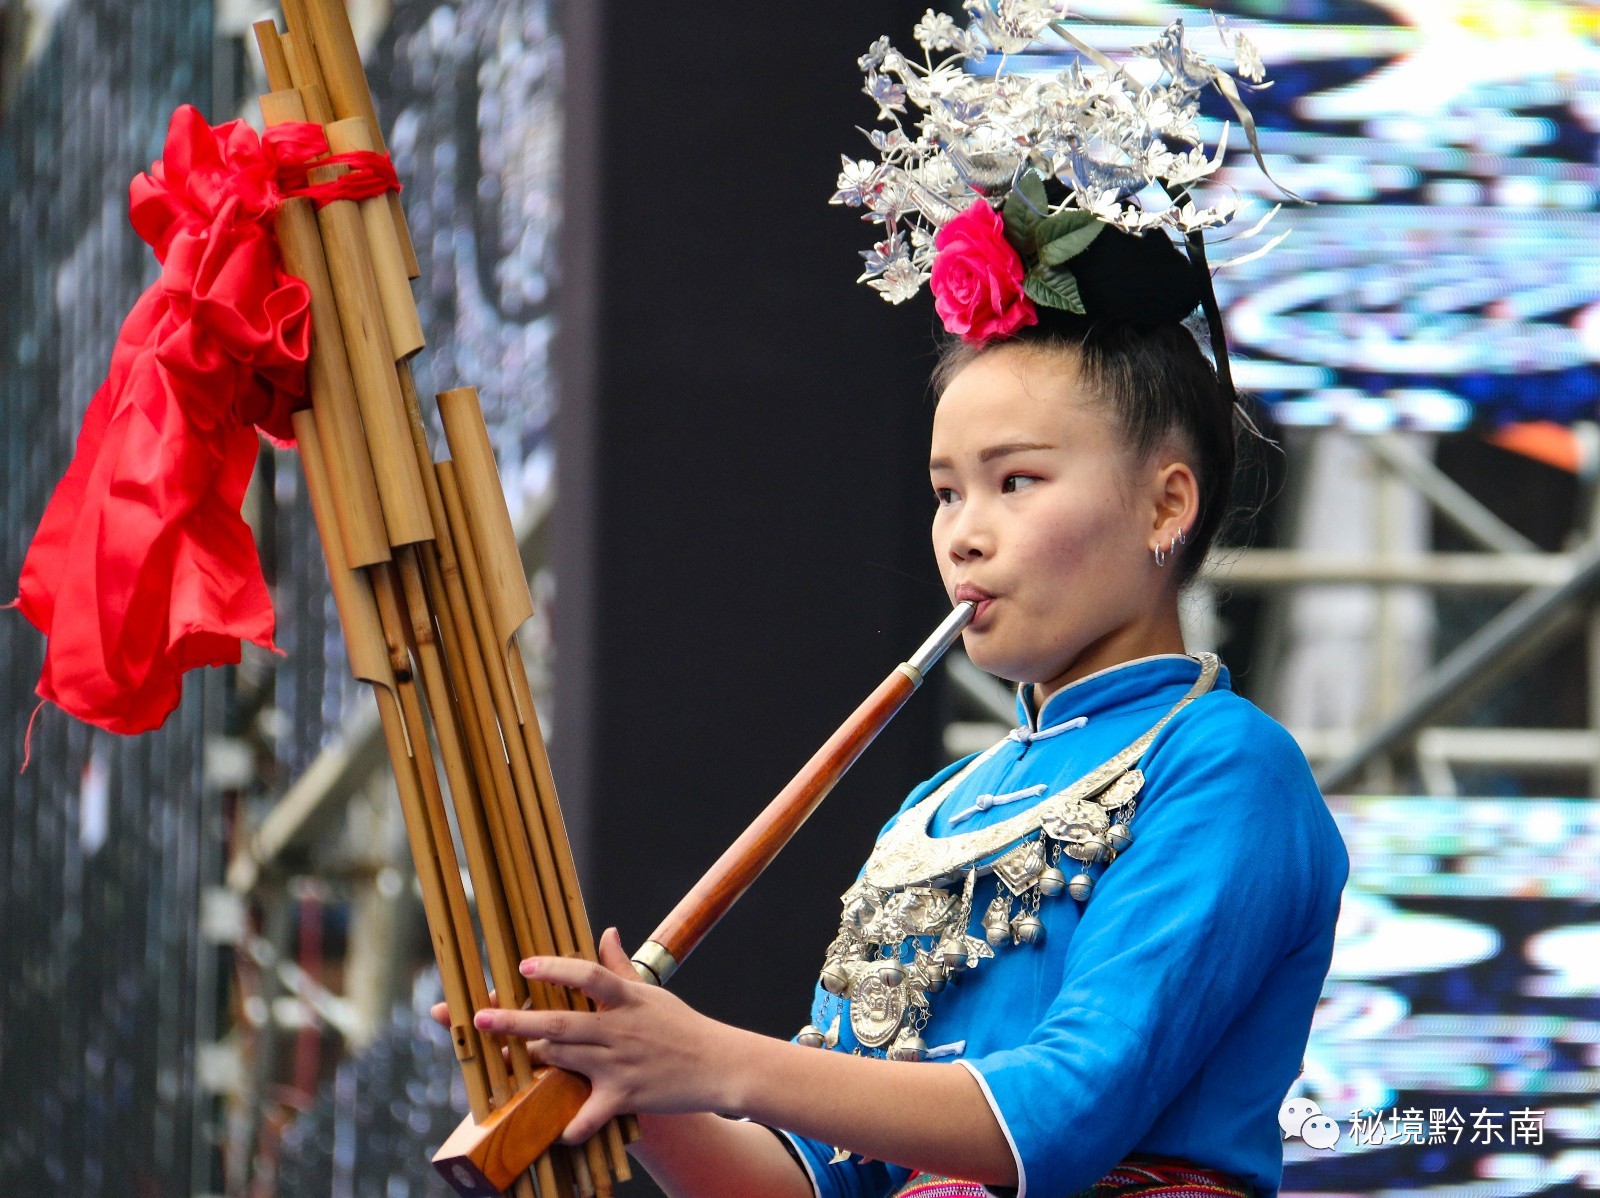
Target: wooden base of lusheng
[[481, 1160]]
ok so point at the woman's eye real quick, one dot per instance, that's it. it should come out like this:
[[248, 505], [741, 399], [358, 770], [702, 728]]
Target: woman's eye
[[1015, 482], [945, 495]]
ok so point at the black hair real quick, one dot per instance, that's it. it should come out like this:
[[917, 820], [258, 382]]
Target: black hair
[[1158, 383]]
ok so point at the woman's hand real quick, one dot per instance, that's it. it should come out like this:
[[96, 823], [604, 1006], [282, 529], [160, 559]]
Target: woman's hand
[[643, 1051]]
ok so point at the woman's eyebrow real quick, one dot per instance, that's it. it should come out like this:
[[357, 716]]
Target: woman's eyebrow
[[993, 452]]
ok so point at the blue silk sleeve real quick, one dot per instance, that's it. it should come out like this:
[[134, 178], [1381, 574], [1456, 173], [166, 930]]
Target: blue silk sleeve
[[1231, 869]]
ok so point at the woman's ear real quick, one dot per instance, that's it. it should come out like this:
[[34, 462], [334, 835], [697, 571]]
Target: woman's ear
[[1176, 494]]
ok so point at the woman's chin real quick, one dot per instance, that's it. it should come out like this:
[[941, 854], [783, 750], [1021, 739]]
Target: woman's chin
[[990, 662]]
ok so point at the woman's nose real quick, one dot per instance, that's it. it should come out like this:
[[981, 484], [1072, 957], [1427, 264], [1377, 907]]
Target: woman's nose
[[969, 536]]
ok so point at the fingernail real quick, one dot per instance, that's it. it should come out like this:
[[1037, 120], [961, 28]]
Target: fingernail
[[529, 967], [484, 1021]]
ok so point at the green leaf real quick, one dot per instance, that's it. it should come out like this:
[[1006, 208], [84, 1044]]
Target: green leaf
[[1023, 212], [1054, 287], [1066, 235]]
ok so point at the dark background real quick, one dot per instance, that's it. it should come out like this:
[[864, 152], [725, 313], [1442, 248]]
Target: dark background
[[741, 535]]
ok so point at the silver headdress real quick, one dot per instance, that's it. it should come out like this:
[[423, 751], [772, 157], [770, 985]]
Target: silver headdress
[[1055, 159]]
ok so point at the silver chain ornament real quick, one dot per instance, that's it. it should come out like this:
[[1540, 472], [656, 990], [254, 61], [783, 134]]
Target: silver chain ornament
[[903, 933]]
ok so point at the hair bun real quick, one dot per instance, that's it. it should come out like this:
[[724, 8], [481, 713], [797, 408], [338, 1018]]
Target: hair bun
[[1133, 277]]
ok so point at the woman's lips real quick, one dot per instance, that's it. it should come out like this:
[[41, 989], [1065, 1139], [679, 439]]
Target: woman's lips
[[967, 593]]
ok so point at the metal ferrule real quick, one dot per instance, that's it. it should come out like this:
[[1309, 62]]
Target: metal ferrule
[[943, 637], [654, 964]]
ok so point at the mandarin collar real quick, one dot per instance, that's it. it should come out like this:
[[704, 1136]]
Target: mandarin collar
[[1128, 686]]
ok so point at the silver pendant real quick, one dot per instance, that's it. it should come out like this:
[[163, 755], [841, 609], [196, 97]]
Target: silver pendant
[[914, 911], [1080, 886], [811, 1036], [891, 972], [928, 973], [1122, 791], [876, 1011], [1052, 882], [954, 954], [1119, 836], [908, 1047], [1075, 823], [1019, 869], [997, 920], [835, 977], [1027, 929], [861, 906]]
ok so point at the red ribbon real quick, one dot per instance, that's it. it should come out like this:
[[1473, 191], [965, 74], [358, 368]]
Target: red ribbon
[[142, 567]]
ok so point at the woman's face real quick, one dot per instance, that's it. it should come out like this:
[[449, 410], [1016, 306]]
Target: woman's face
[[1045, 520]]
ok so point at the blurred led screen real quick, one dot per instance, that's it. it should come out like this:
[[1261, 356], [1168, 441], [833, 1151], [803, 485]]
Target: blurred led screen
[[1457, 1044], [1449, 273]]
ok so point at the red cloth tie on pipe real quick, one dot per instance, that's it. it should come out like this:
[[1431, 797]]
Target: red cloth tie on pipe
[[142, 566]]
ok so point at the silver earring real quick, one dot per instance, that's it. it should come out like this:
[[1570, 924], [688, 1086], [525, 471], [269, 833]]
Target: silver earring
[[1183, 538], [1161, 558]]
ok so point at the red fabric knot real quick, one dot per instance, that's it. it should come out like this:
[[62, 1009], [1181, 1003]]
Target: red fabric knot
[[142, 566]]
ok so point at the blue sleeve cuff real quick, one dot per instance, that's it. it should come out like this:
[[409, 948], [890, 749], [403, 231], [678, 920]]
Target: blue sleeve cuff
[[1048, 1097], [852, 1178]]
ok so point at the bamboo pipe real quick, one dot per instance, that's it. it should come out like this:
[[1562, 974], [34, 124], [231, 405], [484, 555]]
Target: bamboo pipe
[[358, 614], [364, 636], [278, 59], [740, 865], [327, 23], [484, 499], [410, 611], [510, 841], [487, 525], [432, 843], [298, 26], [305, 78], [389, 271], [272, 54], [489, 647], [567, 943], [344, 239], [355, 493], [510, 604], [451, 605]]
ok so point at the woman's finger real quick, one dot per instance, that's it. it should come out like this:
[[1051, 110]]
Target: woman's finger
[[566, 1027], [614, 957], [598, 982], [594, 1114], [587, 1059]]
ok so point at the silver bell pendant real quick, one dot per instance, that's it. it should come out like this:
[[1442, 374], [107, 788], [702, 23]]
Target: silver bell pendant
[[1052, 882], [909, 1047], [1080, 886], [954, 953], [835, 978], [1028, 929], [811, 1036], [891, 972], [1119, 836], [934, 971], [997, 933]]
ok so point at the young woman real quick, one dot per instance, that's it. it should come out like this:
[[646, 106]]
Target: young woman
[[1165, 1013], [980, 1016]]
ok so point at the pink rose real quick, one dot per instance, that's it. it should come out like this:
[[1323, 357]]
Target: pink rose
[[977, 278]]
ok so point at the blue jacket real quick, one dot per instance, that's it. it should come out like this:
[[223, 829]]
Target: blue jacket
[[1168, 1012]]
